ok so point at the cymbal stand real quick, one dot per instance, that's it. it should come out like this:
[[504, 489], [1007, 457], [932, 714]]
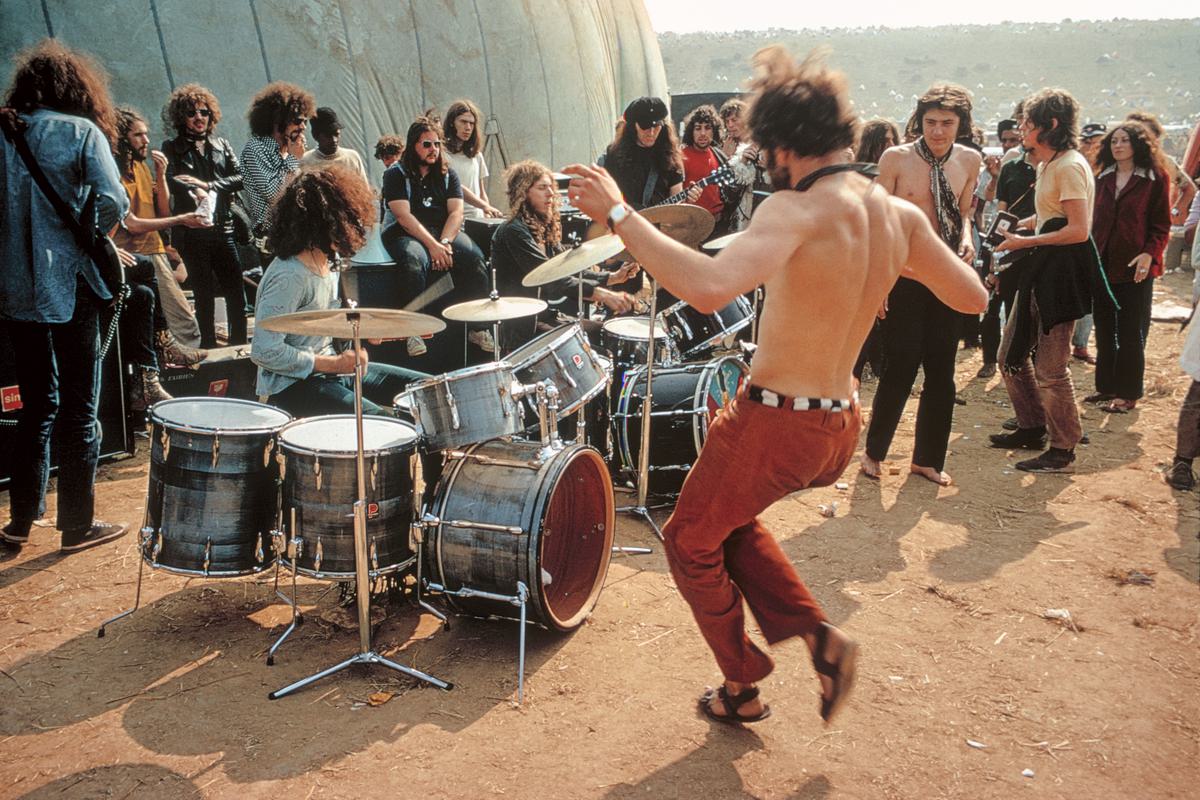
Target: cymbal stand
[[758, 298], [365, 654], [643, 483]]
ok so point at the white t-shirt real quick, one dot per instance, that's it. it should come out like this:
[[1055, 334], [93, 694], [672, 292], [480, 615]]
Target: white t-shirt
[[472, 172]]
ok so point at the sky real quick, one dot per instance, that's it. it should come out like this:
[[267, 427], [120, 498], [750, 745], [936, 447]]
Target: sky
[[684, 16]]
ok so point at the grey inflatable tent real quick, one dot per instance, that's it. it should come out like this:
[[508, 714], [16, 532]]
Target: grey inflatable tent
[[550, 76]]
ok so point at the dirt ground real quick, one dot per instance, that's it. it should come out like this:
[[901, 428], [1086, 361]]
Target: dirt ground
[[963, 683]]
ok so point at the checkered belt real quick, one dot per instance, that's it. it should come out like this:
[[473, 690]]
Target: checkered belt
[[774, 400]]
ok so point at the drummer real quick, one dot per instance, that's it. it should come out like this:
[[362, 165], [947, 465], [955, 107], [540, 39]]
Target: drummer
[[323, 213], [532, 234]]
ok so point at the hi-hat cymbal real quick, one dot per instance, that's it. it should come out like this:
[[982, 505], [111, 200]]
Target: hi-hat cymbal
[[373, 323], [721, 242], [497, 310], [572, 262], [683, 222]]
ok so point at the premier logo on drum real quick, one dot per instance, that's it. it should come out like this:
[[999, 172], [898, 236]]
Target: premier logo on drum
[[10, 398]]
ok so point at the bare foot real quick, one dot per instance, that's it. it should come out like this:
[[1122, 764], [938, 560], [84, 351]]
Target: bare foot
[[931, 474], [870, 467], [747, 710]]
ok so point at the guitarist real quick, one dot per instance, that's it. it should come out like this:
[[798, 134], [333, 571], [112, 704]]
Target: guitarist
[[702, 157], [51, 290]]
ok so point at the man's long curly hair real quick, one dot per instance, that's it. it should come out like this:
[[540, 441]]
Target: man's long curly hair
[[667, 157], [1046, 107], [703, 114], [185, 100], [127, 117], [390, 144], [51, 75], [329, 208], [800, 106], [520, 178], [450, 140], [873, 140], [277, 105]]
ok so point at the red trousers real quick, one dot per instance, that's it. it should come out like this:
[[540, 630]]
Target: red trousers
[[720, 553]]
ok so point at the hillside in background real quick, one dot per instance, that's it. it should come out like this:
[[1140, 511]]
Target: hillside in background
[[1111, 67]]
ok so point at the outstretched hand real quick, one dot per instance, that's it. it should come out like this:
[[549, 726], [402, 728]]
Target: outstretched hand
[[592, 190]]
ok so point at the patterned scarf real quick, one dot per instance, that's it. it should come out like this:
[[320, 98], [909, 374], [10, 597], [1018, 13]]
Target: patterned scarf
[[945, 203]]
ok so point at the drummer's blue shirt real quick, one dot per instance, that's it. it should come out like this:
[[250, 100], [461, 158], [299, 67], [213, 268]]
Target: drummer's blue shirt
[[285, 358]]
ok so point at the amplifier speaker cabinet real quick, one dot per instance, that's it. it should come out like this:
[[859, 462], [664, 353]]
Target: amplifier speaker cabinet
[[116, 434], [227, 372]]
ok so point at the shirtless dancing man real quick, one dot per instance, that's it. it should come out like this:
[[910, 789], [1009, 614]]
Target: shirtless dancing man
[[828, 252], [919, 330]]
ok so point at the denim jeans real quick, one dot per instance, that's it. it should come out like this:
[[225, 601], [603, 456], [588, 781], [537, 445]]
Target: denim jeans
[[1121, 339], [211, 258], [58, 370], [334, 394], [1042, 392], [1083, 330], [141, 316], [469, 272]]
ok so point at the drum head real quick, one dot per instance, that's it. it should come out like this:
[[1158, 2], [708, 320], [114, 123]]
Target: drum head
[[218, 414], [634, 328], [336, 434]]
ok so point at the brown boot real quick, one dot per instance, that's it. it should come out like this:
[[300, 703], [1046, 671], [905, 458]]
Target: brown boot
[[146, 390], [173, 351]]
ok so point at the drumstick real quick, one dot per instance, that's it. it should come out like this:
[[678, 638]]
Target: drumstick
[[442, 286]]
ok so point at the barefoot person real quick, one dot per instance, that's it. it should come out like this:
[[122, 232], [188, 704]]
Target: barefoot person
[[919, 330], [828, 252]]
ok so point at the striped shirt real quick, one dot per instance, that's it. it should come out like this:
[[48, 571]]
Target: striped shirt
[[264, 171]]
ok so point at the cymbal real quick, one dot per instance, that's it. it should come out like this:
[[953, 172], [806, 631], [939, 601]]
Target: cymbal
[[683, 222], [374, 323], [721, 242], [572, 262], [489, 310]]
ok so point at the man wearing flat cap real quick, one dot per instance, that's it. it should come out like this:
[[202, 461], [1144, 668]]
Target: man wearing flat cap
[[645, 160]]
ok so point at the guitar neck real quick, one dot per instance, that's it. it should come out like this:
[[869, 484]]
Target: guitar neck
[[707, 180]]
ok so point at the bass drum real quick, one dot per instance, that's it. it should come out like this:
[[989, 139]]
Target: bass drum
[[686, 400], [511, 511]]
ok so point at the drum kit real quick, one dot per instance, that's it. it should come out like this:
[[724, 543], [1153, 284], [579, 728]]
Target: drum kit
[[520, 521]]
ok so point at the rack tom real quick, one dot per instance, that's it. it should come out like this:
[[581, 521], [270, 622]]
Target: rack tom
[[465, 407]]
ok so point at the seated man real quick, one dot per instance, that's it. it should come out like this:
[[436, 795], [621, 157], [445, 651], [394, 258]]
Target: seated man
[[324, 212], [423, 225], [531, 235]]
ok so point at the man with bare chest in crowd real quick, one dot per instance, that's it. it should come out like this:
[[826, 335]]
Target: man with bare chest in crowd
[[920, 331]]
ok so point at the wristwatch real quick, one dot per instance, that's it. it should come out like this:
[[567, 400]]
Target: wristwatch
[[446, 242], [618, 214]]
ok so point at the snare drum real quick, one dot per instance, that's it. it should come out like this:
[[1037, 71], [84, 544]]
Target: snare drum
[[686, 399], [466, 406], [511, 511], [320, 487], [696, 333], [213, 497], [563, 357], [625, 340]]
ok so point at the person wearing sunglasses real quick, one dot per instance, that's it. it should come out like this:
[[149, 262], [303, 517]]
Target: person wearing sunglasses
[[422, 226], [199, 162]]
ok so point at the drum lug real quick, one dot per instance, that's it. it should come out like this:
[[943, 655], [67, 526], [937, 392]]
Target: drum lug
[[374, 471], [562, 368], [267, 452], [259, 555], [374, 558], [454, 420], [207, 554], [278, 543], [281, 460], [319, 556], [158, 544], [147, 533], [164, 439], [216, 450], [317, 472]]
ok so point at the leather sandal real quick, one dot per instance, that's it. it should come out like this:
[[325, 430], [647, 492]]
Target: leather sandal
[[841, 672], [732, 703]]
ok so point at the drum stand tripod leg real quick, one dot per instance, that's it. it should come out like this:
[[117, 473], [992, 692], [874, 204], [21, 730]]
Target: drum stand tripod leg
[[297, 617], [146, 533], [419, 533], [641, 509], [522, 598], [365, 654]]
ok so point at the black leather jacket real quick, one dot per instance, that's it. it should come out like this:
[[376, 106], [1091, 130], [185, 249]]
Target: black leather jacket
[[218, 166]]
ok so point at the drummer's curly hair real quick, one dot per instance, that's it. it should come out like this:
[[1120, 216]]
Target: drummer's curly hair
[[519, 178], [329, 208], [801, 106]]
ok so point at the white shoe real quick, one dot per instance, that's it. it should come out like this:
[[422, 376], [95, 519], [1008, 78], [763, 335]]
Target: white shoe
[[483, 340], [416, 346]]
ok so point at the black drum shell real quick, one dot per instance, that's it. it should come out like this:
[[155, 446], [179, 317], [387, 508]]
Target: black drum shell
[[564, 506], [697, 334]]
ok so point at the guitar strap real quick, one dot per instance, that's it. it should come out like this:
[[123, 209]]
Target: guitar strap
[[648, 189]]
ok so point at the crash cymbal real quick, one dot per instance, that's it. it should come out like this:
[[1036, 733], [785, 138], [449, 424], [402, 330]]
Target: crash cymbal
[[494, 310], [721, 242], [572, 262], [683, 222], [374, 323]]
